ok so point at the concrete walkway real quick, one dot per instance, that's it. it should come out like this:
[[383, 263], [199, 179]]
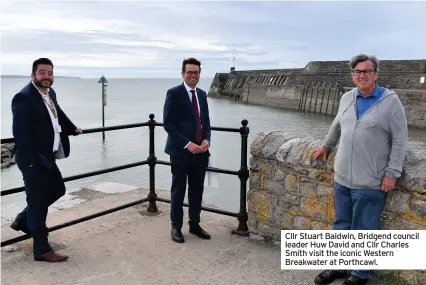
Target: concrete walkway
[[132, 247]]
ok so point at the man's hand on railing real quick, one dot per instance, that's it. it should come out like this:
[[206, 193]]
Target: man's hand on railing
[[78, 131]]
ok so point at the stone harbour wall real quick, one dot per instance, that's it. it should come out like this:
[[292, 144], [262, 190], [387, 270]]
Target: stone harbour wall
[[283, 88], [289, 190], [414, 102]]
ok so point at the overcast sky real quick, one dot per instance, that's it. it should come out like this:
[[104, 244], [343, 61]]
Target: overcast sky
[[150, 39]]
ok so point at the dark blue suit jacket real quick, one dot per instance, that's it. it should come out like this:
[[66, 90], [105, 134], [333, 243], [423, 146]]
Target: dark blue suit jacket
[[179, 119], [33, 131]]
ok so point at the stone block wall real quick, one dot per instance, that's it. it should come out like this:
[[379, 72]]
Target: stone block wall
[[414, 102], [272, 95], [401, 74], [282, 88], [288, 190], [344, 79], [218, 83]]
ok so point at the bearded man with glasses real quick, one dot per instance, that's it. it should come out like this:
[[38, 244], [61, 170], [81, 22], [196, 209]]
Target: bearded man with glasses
[[372, 129], [40, 129]]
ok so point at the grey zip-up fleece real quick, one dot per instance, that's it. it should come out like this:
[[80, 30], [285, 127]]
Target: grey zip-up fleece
[[370, 147]]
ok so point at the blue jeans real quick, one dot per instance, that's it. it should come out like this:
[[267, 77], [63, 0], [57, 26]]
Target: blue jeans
[[357, 209]]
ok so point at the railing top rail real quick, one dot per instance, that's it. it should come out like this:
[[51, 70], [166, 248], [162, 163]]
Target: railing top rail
[[220, 129], [244, 131], [137, 125], [97, 130], [242, 173], [8, 140]]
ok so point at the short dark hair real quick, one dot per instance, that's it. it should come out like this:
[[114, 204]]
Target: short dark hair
[[39, 61], [363, 57], [190, 61]]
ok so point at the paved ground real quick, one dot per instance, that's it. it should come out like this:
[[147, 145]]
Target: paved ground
[[131, 247]]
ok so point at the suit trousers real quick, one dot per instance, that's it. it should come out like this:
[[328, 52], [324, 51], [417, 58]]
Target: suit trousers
[[357, 209], [190, 168], [43, 187]]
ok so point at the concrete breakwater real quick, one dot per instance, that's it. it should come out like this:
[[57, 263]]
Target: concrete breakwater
[[288, 190], [318, 86]]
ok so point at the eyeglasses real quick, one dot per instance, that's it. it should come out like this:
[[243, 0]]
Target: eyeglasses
[[192, 72], [358, 72]]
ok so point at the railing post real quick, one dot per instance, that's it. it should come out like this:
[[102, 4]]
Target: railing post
[[243, 174], [152, 160]]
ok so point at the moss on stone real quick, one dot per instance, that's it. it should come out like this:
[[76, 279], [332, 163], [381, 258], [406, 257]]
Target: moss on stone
[[392, 278]]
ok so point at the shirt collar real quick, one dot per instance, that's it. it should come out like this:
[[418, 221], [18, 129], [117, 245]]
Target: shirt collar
[[48, 89], [374, 93], [188, 89]]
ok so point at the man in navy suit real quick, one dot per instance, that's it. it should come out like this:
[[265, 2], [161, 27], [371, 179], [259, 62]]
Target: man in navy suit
[[187, 123], [41, 130]]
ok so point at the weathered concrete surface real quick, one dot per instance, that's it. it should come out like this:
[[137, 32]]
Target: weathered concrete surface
[[6, 155], [133, 247], [289, 190]]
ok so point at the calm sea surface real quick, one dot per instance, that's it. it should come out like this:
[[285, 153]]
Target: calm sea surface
[[131, 101]]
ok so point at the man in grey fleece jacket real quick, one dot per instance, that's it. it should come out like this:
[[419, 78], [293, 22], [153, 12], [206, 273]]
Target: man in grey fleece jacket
[[372, 129]]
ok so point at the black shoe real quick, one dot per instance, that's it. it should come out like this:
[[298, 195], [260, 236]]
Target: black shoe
[[328, 276], [199, 232], [177, 236], [18, 227], [355, 280]]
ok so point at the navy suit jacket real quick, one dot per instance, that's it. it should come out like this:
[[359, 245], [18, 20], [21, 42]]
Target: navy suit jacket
[[33, 131], [179, 119]]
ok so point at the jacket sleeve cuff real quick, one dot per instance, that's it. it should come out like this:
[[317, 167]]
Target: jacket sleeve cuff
[[186, 145], [392, 173]]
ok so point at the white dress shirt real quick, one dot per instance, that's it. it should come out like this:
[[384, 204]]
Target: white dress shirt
[[55, 121], [188, 90]]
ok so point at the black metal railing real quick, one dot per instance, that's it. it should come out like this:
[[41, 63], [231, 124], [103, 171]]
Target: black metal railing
[[242, 173]]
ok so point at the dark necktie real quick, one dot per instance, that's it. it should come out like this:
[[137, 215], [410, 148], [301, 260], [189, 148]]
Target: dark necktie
[[198, 132]]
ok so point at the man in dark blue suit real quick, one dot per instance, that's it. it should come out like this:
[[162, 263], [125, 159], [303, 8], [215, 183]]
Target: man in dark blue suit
[[41, 130], [187, 123]]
